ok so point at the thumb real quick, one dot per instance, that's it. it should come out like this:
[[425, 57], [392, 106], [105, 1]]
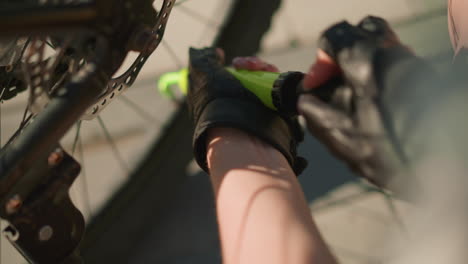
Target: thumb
[[331, 126], [321, 71], [206, 58]]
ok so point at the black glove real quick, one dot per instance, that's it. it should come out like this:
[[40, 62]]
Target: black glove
[[366, 120], [218, 99]]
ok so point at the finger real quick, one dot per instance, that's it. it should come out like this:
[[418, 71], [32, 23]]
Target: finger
[[221, 55], [244, 63], [339, 37], [321, 115], [270, 68], [380, 29], [330, 127], [323, 70], [205, 58], [253, 64]]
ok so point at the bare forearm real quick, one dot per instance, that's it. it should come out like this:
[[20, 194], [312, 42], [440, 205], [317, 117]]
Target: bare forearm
[[262, 212]]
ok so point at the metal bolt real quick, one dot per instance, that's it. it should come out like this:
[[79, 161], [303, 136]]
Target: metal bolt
[[46, 233], [153, 45], [55, 157], [142, 40], [13, 205]]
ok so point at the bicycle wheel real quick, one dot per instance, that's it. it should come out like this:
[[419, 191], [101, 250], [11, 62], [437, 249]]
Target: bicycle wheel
[[228, 30], [160, 170]]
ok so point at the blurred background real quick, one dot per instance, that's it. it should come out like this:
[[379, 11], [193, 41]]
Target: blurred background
[[168, 216]]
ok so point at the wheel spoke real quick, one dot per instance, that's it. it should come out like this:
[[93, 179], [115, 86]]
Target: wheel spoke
[[180, 2], [18, 62], [1, 103], [139, 110], [207, 28], [8, 51], [197, 16], [391, 206], [113, 145], [25, 118], [3, 91], [173, 55], [1, 241], [77, 136], [50, 44], [84, 180], [24, 121], [395, 214], [291, 31], [342, 201], [78, 146]]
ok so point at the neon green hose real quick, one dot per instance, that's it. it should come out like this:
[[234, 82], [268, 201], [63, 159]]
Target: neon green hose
[[170, 79], [257, 82]]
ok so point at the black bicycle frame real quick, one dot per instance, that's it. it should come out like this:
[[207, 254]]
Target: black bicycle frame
[[47, 19], [29, 169], [35, 173]]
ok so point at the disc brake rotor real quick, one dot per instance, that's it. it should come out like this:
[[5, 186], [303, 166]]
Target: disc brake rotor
[[41, 71], [152, 38]]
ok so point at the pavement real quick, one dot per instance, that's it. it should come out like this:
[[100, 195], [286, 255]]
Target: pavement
[[355, 220]]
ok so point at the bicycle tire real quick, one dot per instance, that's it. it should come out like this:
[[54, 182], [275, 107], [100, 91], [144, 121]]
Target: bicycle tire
[[150, 183]]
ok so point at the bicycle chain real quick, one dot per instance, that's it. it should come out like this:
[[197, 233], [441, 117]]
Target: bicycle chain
[[118, 85]]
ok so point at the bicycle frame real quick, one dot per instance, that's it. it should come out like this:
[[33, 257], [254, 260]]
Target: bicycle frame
[[35, 173], [47, 19], [98, 15]]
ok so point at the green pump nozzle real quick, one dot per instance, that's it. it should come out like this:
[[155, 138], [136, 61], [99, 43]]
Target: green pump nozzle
[[169, 80], [277, 91], [259, 83]]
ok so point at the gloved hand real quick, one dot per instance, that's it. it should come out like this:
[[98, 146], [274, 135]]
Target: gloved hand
[[367, 120], [217, 99]]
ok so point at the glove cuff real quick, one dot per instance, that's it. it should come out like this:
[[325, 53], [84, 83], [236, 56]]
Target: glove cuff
[[285, 92], [249, 117]]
